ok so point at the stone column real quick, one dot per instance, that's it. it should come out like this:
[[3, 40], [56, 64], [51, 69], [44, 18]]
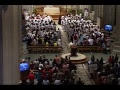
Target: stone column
[[95, 13], [91, 8], [109, 14], [101, 11], [29, 8], [1, 49], [84, 6], [11, 43], [117, 29], [98, 11]]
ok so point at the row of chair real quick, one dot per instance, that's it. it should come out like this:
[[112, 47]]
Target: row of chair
[[95, 49], [44, 49]]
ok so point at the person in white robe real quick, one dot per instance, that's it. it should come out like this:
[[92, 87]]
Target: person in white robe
[[80, 15], [85, 13], [90, 40], [49, 18], [59, 42], [63, 23]]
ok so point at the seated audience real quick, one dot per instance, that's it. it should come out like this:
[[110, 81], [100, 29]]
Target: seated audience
[[107, 73]]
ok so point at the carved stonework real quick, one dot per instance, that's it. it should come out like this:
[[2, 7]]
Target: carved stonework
[[38, 6]]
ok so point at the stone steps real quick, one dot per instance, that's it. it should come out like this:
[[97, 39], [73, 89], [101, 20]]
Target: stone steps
[[55, 18], [80, 61]]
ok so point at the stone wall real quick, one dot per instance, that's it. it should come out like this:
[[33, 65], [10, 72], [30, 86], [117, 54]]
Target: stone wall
[[29, 8]]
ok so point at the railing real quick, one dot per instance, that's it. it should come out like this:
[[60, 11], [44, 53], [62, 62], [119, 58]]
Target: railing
[[96, 49], [116, 47], [44, 49]]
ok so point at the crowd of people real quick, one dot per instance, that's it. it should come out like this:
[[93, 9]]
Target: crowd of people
[[105, 73], [52, 72], [41, 30], [60, 71], [82, 31]]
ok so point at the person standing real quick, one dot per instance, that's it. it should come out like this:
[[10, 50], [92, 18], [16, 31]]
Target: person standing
[[91, 69], [59, 21], [75, 39], [31, 77], [116, 58], [79, 82]]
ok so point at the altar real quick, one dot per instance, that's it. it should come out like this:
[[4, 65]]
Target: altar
[[51, 10]]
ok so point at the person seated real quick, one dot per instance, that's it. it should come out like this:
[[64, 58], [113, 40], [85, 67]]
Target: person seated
[[40, 66], [45, 82], [55, 44], [36, 64], [90, 40], [71, 81], [55, 68], [47, 44], [46, 62], [38, 76], [51, 62], [65, 68], [31, 65], [59, 42], [79, 82], [57, 81], [42, 40], [31, 77]]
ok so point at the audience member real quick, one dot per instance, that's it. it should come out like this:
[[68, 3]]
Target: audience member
[[106, 73]]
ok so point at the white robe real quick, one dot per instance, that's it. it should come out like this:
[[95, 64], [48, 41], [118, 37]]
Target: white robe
[[85, 13]]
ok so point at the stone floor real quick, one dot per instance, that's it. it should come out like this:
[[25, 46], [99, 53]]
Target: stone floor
[[64, 39]]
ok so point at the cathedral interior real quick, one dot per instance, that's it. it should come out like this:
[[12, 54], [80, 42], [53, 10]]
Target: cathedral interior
[[61, 44]]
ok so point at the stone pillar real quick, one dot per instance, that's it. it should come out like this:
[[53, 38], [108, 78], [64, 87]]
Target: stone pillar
[[101, 11], [1, 49], [84, 6], [29, 8], [98, 9], [91, 7], [10, 44], [117, 29], [109, 14]]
